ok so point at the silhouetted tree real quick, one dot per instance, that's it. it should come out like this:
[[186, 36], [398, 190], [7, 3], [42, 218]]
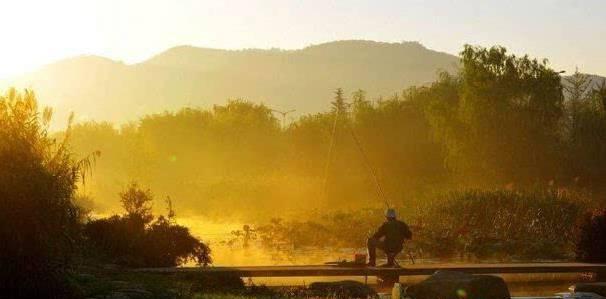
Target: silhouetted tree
[[137, 240], [137, 202], [599, 93], [339, 104], [39, 222], [578, 92], [502, 125]]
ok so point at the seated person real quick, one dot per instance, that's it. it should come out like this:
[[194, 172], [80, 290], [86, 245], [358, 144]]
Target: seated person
[[389, 238]]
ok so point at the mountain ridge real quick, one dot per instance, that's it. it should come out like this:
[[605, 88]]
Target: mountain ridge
[[102, 89], [304, 79]]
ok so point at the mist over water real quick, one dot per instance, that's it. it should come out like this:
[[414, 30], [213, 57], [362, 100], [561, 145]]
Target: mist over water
[[217, 233]]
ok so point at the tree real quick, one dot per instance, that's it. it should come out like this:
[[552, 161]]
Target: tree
[[577, 86], [362, 108], [586, 142], [499, 118], [578, 92], [137, 202], [339, 104], [39, 222], [599, 93]]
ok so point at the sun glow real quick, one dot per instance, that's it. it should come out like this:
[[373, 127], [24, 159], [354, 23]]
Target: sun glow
[[38, 32]]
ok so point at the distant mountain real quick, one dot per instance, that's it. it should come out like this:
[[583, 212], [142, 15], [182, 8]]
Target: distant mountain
[[102, 89]]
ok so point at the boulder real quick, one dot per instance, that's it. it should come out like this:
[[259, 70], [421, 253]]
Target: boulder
[[458, 285], [598, 288], [341, 289]]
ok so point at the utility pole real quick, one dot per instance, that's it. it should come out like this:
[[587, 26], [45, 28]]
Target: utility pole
[[283, 113]]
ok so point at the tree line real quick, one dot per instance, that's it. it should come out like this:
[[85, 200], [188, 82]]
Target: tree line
[[501, 120]]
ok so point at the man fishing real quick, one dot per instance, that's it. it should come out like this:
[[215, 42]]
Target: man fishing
[[389, 238]]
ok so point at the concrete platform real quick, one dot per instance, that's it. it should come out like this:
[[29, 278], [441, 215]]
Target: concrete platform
[[405, 270]]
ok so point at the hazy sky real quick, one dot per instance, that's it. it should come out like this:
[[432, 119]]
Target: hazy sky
[[569, 33]]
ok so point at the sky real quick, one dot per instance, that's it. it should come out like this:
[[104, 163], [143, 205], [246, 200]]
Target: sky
[[569, 33]]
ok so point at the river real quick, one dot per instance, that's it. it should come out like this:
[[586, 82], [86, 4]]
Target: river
[[217, 235]]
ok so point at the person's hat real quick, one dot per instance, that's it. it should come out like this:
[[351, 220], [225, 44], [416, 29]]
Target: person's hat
[[390, 213]]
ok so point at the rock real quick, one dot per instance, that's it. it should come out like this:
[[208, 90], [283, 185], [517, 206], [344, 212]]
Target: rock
[[598, 288], [341, 289], [457, 285]]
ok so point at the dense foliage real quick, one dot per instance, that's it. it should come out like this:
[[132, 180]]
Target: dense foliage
[[500, 121], [39, 221], [137, 240], [591, 240], [479, 224], [512, 225]]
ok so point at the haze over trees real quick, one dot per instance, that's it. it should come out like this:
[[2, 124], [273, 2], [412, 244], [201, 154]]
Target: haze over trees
[[500, 121]]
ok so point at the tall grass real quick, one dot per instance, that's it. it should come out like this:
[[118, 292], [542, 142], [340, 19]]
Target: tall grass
[[470, 225], [525, 225]]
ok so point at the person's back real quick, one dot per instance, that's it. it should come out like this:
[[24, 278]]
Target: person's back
[[394, 232], [389, 237]]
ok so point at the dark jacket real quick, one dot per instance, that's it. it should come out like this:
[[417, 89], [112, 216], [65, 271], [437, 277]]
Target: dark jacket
[[394, 233]]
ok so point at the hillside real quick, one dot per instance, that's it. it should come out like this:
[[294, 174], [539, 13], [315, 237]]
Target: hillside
[[102, 89]]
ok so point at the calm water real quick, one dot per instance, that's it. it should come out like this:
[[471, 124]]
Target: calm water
[[216, 234]]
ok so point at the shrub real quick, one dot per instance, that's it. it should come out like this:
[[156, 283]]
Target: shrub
[[499, 224], [136, 240], [328, 229], [591, 242], [502, 223], [167, 244], [39, 222], [116, 239]]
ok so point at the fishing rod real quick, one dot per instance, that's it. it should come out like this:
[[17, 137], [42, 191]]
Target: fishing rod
[[381, 194]]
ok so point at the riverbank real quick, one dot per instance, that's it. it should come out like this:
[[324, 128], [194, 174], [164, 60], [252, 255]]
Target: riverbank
[[118, 283]]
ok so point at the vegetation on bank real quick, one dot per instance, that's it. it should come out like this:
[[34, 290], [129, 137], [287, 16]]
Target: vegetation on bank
[[591, 243], [44, 232], [503, 224], [471, 225], [136, 239], [39, 219]]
